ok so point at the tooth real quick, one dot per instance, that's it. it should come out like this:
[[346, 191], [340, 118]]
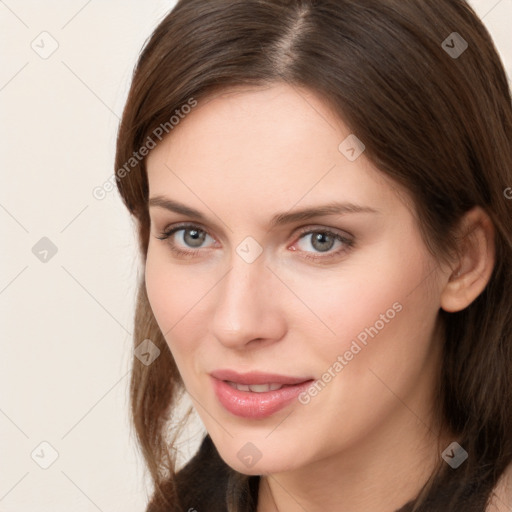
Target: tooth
[[262, 388], [258, 388], [255, 388]]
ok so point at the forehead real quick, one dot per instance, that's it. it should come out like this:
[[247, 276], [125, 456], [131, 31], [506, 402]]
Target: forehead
[[271, 147]]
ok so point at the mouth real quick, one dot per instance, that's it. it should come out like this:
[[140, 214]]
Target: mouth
[[256, 395], [256, 388], [254, 378]]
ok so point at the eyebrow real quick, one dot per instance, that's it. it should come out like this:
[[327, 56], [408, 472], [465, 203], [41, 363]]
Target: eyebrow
[[333, 208]]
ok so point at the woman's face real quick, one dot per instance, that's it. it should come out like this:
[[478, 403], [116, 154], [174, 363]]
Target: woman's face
[[345, 301]]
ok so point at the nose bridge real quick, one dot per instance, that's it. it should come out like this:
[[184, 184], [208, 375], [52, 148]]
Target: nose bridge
[[240, 292], [243, 311]]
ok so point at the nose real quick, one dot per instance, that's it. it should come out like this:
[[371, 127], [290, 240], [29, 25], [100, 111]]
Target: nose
[[248, 310]]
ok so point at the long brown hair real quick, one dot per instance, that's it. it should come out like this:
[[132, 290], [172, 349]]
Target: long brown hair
[[433, 109]]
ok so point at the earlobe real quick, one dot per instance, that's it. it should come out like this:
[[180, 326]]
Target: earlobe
[[476, 263]]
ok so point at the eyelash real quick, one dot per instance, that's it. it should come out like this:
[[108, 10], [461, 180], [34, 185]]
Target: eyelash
[[348, 243]]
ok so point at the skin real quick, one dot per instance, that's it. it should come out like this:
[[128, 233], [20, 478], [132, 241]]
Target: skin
[[368, 440]]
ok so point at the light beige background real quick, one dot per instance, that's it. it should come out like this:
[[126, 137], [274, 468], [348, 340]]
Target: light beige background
[[66, 323]]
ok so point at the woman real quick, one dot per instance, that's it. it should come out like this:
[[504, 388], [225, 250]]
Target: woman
[[320, 191]]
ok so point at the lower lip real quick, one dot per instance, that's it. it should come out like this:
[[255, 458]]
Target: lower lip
[[248, 404]]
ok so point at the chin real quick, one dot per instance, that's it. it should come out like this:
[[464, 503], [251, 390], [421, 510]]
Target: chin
[[261, 464]]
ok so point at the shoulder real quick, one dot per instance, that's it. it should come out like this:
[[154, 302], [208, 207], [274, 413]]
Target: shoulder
[[202, 482], [501, 498]]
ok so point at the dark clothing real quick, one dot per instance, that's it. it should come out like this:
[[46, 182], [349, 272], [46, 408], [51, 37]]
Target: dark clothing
[[202, 482]]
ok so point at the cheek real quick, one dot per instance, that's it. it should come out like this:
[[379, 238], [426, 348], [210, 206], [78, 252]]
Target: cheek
[[342, 304], [354, 320], [175, 299], [369, 365], [384, 326]]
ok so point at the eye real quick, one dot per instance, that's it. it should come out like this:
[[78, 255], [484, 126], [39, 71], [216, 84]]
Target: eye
[[192, 236], [322, 241]]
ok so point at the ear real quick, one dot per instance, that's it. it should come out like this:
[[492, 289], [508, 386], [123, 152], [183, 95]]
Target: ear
[[475, 264]]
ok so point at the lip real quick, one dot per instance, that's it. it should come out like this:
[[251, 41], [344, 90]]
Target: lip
[[251, 405]]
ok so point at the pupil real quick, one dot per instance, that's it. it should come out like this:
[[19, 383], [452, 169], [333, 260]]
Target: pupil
[[194, 235], [321, 238]]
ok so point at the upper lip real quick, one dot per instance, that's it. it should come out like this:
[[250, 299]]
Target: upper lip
[[256, 377]]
